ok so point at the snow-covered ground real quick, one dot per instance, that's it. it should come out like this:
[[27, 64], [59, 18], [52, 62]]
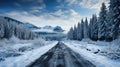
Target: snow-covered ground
[[19, 53], [90, 50]]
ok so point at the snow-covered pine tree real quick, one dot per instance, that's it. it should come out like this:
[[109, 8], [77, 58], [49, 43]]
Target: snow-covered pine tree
[[86, 28], [79, 36], [108, 35], [102, 22], [82, 28], [95, 28], [70, 34], [11, 28], [1, 29], [90, 26], [7, 29], [114, 10], [75, 33], [119, 29]]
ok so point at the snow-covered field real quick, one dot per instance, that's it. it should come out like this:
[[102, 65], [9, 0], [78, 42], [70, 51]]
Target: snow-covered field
[[19, 53], [90, 50]]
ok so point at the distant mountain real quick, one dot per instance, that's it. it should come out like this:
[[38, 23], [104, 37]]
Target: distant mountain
[[58, 29], [30, 26], [34, 28], [49, 29], [51, 33], [27, 25], [11, 19]]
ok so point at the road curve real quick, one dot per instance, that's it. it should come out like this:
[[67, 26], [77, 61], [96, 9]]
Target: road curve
[[61, 56]]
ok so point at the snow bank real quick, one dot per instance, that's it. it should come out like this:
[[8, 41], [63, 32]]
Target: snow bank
[[109, 49]]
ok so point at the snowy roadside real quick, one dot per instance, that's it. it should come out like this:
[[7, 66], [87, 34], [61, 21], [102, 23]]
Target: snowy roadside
[[16, 47], [27, 56], [98, 60]]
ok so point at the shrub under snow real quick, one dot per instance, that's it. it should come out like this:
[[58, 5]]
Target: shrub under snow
[[113, 50]]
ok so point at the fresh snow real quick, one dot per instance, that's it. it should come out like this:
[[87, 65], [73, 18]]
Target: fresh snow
[[99, 60], [27, 57]]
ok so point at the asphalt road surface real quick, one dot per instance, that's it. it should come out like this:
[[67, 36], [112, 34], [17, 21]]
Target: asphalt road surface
[[61, 56]]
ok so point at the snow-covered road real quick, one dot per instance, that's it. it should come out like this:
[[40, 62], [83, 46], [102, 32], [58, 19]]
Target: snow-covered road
[[61, 56]]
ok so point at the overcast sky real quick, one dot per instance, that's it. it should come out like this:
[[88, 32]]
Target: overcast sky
[[64, 13]]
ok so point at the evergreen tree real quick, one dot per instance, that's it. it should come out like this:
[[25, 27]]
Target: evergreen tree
[[75, 33], [70, 34], [82, 29], [1, 29], [102, 22], [108, 35], [79, 36], [90, 29], [86, 28], [114, 10], [94, 28]]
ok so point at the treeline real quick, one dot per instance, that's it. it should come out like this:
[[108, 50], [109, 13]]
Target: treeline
[[104, 27], [10, 27]]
